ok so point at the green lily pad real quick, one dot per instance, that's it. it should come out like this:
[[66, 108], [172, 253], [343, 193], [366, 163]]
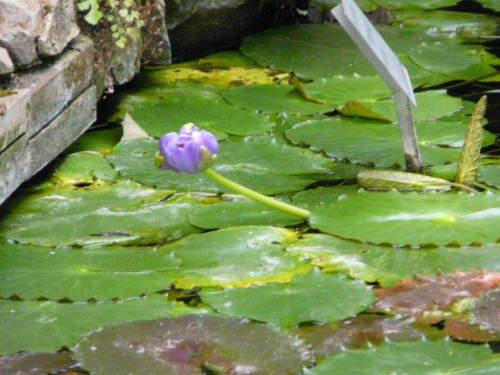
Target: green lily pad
[[35, 363], [317, 51], [312, 297], [238, 213], [361, 331], [102, 140], [327, 5], [47, 326], [31, 272], [461, 61], [124, 212], [323, 196], [491, 4], [239, 256], [163, 109], [364, 141], [489, 367], [387, 265], [445, 22], [273, 99], [410, 358], [190, 344], [408, 4], [412, 218], [490, 174], [84, 169], [373, 95], [260, 165]]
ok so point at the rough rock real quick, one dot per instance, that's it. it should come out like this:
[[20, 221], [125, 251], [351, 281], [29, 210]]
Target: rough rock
[[125, 62], [21, 21], [59, 27], [6, 65], [155, 35]]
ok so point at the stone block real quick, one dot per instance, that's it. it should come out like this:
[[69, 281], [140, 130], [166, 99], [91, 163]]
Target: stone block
[[15, 119], [27, 155], [54, 85]]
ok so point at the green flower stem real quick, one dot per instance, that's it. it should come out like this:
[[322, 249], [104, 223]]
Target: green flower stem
[[288, 208]]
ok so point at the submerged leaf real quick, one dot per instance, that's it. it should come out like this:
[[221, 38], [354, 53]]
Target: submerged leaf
[[468, 163], [189, 344], [35, 363]]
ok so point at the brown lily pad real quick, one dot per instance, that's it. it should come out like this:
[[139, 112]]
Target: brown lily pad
[[426, 297], [191, 344]]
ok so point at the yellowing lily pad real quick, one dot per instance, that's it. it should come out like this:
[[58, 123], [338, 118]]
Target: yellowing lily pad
[[387, 265], [239, 256], [312, 297], [412, 218]]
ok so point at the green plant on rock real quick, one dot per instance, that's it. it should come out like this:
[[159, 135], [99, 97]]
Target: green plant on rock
[[122, 16]]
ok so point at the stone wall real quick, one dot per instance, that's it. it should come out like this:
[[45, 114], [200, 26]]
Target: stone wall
[[55, 66]]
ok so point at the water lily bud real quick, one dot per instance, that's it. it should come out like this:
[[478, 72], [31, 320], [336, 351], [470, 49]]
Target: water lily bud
[[191, 150]]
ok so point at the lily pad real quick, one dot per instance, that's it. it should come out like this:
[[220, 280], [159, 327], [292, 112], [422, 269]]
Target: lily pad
[[274, 99], [479, 321], [366, 141], [489, 367], [163, 109], [188, 344], [387, 265], [239, 256], [408, 4], [361, 331], [460, 60], [99, 140], [123, 212], [312, 297], [410, 358], [428, 298], [491, 4], [84, 169], [47, 326], [412, 218], [35, 363], [316, 51], [323, 196], [448, 23], [240, 212], [31, 272], [373, 98], [260, 165], [490, 174]]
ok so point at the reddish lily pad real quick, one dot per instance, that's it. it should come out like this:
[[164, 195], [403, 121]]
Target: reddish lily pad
[[479, 321], [362, 330], [35, 363], [189, 344], [425, 297]]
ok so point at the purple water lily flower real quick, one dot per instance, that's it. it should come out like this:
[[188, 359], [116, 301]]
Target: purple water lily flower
[[191, 150]]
